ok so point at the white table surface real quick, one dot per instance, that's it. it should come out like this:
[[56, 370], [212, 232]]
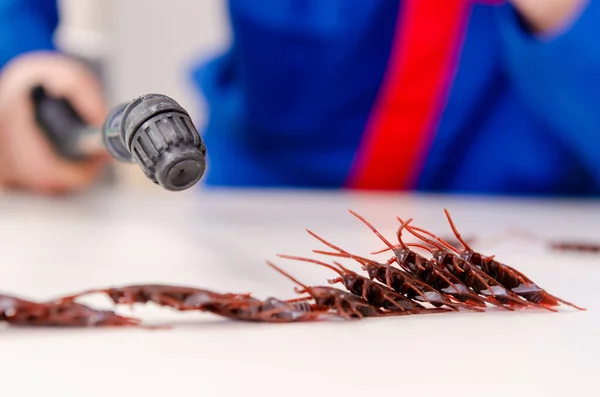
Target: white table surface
[[220, 240]]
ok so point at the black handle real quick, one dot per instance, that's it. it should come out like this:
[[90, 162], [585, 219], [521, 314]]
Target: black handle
[[152, 130], [60, 122]]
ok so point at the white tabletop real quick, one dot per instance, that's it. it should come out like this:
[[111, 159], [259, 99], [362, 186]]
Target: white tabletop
[[220, 240]]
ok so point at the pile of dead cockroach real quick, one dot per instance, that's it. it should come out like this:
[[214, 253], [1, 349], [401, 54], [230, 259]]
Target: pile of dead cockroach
[[446, 279]]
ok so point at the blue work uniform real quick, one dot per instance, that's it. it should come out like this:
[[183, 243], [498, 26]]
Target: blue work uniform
[[380, 94]]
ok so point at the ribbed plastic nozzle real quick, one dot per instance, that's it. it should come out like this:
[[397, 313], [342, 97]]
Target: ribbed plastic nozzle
[[161, 137]]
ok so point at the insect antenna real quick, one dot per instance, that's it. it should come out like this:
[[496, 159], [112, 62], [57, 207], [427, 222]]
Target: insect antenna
[[84, 293], [341, 252], [327, 243], [316, 262], [564, 302], [298, 300], [338, 254], [374, 230], [381, 251], [455, 231], [438, 245], [345, 270], [362, 260], [400, 230], [292, 278], [439, 242], [422, 246], [399, 235]]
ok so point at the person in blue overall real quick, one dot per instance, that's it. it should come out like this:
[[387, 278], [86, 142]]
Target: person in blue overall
[[489, 97]]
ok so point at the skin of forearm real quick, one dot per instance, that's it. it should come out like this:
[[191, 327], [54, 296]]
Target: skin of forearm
[[544, 16]]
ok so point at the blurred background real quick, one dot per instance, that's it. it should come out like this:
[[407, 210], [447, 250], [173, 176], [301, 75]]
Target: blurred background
[[100, 32]]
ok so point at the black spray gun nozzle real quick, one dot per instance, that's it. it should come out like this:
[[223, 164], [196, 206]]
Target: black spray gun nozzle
[[152, 130]]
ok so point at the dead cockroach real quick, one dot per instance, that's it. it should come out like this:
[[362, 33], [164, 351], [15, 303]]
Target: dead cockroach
[[426, 270], [576, 246], [374, 293], [176, 297], [21, 312], [507, 276], [235, 306], [395, 278], [472, 276], [554, 245], [347, 305], [271, 310]]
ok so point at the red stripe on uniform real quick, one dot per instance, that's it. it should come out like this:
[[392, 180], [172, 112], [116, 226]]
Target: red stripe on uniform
[[421, 69]]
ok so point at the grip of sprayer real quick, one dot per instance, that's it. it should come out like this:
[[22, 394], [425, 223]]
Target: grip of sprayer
[[153, 131], [60, 123]]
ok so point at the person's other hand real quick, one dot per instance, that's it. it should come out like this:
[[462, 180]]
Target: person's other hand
[[544, 16], [27, 160]]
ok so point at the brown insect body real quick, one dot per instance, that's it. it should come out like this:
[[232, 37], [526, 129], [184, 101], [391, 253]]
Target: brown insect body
[[400, 281], [470, 275], [438, 278], [345, 304], [480, 282], [514, 280], [505, 275], [453, 278], [176, 297], [426, 270], [242, 307], [374, 293], [396, 280], [21, 312], [271, 310], [575, 246]]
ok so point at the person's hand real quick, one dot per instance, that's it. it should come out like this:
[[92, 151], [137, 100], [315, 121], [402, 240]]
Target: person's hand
[[545, 16], [27, 160]]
